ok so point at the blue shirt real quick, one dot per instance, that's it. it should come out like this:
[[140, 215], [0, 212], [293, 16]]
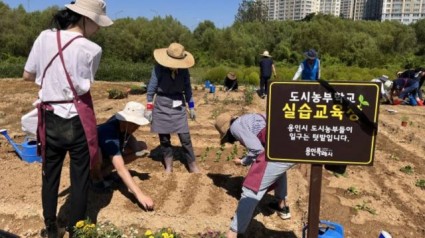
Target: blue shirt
[[111, 140]]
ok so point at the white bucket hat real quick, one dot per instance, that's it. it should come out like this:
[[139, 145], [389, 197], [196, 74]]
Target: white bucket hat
[[133, 112], [174, 57], [93, 9]]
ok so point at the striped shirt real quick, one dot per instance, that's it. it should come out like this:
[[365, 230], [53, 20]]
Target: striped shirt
[[245, 130]]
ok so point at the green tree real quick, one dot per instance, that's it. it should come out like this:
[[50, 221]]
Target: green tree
[[250, 11]]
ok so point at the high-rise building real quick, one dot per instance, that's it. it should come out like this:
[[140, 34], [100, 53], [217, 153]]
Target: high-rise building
[[405, 11], [346, 10], [331, 7], [291, 9]]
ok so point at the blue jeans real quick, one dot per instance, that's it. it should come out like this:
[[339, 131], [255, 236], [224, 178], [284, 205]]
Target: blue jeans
[[411, 88], [275, 172]]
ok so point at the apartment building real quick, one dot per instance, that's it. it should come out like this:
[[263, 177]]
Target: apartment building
[[291, 9], [405, 11]]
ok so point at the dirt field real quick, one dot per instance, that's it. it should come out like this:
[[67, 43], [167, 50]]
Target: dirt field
[[385, 197]]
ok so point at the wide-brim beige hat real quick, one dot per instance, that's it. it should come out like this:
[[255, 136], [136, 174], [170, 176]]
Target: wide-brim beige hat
[[174, 56], [222, 124], [266, 54], [231, 76], [93, 9], [133, 112]]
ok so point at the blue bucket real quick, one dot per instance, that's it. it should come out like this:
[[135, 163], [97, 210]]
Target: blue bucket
[[212, 88], [207, 84], [328, 229]]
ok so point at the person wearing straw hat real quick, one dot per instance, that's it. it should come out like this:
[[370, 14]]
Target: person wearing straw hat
[[249, 129], [170, 86], [266, 70], [63, 62], [309, 69], [118, 147], [231, 82]]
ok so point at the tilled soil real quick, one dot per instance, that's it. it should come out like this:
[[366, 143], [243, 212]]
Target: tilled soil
[[385, 198]]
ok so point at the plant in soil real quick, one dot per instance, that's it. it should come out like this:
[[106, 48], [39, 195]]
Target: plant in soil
[[420, 183], [352, 191], [365, 207], [407, 169], [161, 233], [205, 154], [116, 94], [218, 153]]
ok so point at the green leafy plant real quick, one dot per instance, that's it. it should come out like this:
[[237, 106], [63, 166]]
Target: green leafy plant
[[205, 154], [352, 191], [420, 183], [407, 169], [249, 95], [116, 94], [161, 233], [365, 207], [233, 153], [218, 153]]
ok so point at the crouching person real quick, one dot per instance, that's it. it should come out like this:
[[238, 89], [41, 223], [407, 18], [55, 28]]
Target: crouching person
[[249, 130], [118, 147]]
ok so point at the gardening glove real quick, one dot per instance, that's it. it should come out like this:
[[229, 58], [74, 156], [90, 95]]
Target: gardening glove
[[148, 111], [192, 110], [192, 113]]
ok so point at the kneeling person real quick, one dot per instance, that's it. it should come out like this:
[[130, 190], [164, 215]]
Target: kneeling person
[[118, 147]]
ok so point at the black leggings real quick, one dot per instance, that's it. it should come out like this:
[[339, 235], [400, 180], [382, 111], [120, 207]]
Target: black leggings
[[62, 136], [186, 142]]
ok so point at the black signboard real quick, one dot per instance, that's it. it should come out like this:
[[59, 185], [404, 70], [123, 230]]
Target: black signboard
[[322, 123]]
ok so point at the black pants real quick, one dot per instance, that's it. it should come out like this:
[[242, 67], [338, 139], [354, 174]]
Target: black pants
[[263, 85], [62, 136], [185, 141]]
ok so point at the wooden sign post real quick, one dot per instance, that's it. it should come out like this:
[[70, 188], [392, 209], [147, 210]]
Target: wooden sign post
[[321, 123]]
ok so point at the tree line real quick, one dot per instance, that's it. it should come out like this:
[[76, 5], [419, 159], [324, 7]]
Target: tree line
[[363, 44]]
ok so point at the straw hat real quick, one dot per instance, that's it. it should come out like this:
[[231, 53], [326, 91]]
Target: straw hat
[[133, 112], [93, 9], [174, 57], [266, 54], [222, 124], [231, 76]]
